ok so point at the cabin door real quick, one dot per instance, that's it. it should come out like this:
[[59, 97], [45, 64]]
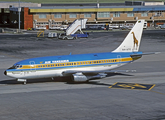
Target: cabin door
[[119, 59], [32, 66]]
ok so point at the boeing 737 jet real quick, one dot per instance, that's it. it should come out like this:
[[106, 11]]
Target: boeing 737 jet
[[81, 67]]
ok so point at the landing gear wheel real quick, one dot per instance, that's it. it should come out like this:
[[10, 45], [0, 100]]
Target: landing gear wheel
[[24, 82]]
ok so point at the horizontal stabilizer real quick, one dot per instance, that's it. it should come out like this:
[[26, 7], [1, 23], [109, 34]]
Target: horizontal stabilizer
[[149, 53]]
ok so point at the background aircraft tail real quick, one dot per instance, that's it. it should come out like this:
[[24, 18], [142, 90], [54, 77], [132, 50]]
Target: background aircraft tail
[[132, 42]]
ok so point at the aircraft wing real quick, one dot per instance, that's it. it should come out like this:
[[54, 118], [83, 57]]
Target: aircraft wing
[[70, 72], [81, 76]]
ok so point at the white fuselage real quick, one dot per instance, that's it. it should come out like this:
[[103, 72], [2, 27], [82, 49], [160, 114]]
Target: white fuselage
[[33, 74]]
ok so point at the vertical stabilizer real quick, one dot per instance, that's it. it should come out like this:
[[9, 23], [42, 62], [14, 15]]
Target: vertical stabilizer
[[132, 42]]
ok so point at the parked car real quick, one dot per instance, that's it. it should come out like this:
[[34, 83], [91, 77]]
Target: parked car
[[157, 26], [55, 28], [162, 26], [63, 27], [85, 35], [114, 26], [41, 27], [124, 27]]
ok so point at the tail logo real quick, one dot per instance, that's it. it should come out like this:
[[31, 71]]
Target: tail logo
[[135, 41]]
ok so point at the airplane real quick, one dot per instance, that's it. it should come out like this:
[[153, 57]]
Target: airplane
[[81, 67]]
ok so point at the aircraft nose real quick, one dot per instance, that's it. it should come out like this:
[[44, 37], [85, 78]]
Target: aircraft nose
[[5, 73]]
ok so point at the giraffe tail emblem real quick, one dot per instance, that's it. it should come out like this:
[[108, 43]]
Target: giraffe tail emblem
[[132, 41], [135, 41]]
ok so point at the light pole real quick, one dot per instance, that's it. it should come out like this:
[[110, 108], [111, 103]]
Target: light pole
[[19, 10]]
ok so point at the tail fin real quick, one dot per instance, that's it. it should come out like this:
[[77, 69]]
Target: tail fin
[[132, 42]]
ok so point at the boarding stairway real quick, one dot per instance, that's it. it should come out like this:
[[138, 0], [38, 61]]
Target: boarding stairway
[[78, 24]]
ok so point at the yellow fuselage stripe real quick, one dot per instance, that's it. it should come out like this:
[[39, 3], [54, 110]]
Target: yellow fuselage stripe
[[76, 63]]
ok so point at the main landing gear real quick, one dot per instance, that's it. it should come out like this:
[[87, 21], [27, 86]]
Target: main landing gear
[[22, 80]]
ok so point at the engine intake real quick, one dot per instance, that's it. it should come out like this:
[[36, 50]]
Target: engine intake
[[79, 77]]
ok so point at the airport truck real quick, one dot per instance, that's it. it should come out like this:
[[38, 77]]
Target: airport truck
[[63, 36], [84, 35]]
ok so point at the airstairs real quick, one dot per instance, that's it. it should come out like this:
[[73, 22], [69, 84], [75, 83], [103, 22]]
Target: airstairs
[[78, 24]]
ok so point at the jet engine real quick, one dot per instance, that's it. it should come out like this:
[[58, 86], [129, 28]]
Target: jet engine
[[80, 77]]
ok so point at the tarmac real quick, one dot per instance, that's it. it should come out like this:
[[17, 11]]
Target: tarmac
[[128, 96]]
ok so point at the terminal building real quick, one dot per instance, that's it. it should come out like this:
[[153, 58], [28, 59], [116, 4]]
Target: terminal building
[[40, 16]]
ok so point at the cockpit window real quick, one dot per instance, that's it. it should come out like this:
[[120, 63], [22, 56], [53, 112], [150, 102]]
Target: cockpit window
[[18, 66], [15, 66]]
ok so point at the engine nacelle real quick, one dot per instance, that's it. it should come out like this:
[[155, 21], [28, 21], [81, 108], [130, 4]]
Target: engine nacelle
[[79, 77]]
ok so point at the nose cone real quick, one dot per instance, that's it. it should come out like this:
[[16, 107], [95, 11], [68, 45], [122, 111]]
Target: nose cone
[[5, 73]]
